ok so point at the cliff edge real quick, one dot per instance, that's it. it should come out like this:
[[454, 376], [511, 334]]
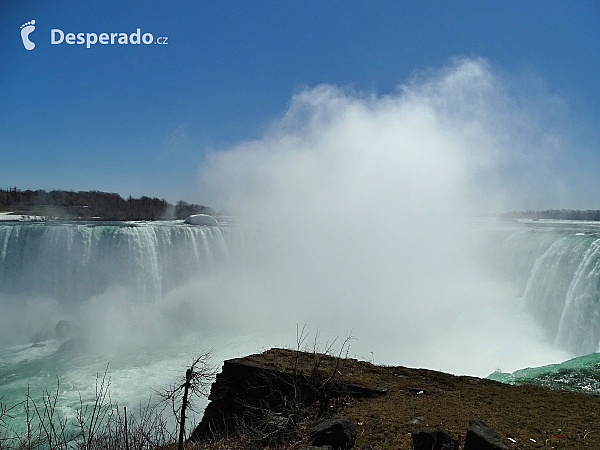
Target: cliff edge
[[278, 398]]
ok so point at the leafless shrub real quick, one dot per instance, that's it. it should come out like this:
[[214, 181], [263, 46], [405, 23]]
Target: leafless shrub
[[325, 380], [90, 420], [196, 383], [8, 436], [303, 395], [50, 426], [99, 425], [149, 430]]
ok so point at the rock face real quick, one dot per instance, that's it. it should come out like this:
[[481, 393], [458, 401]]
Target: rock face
[[339, 433], [63, 328], [267, 397], [480, 436], [240, 389], [433, 440], [246, 389]]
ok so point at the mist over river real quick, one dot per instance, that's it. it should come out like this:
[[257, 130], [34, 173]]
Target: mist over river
[[148, 295]]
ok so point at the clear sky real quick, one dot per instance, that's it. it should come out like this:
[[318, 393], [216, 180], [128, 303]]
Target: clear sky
[[138, 119]]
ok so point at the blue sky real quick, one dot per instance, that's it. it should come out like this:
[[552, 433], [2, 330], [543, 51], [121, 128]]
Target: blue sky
[[139, 119]]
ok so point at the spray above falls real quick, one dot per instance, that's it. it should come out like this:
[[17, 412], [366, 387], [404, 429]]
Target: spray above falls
[[367, 201]]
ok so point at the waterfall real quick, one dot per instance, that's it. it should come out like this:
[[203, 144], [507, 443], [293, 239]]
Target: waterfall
[[72, 262], [138, 294], [558, 267], [555, 267], [77, 271]]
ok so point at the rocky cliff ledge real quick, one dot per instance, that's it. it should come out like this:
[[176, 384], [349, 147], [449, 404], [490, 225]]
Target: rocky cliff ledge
[[280, 399]]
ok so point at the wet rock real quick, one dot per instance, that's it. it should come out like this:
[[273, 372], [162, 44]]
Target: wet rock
[[340, 433], [480, 436], [64, 328], [433, 440], [73, 345]]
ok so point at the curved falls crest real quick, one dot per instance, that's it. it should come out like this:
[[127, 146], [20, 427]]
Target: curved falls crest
[[557, 273], [555, 267], [72, 262]]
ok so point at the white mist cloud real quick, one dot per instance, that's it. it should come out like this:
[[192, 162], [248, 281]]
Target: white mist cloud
[[461, 129], [357, 208]]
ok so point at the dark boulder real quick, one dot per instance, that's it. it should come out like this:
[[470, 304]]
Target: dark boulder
[[433, 440], [340, 433], [480, 436], [64, 328], [76, 344]]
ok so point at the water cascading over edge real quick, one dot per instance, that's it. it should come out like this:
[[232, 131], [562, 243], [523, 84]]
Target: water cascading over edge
[[559, 272]]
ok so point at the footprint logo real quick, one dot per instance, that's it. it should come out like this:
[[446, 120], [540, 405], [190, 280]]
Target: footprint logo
[[26, 29]]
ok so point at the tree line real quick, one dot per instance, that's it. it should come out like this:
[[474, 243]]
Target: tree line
[[95, 205], [556, 214]]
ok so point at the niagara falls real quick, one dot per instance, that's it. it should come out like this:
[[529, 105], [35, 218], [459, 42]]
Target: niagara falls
[[143, 295], [295, 225]]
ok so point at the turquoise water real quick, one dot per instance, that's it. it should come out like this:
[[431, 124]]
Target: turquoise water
[[581, 374], [120, 285]]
